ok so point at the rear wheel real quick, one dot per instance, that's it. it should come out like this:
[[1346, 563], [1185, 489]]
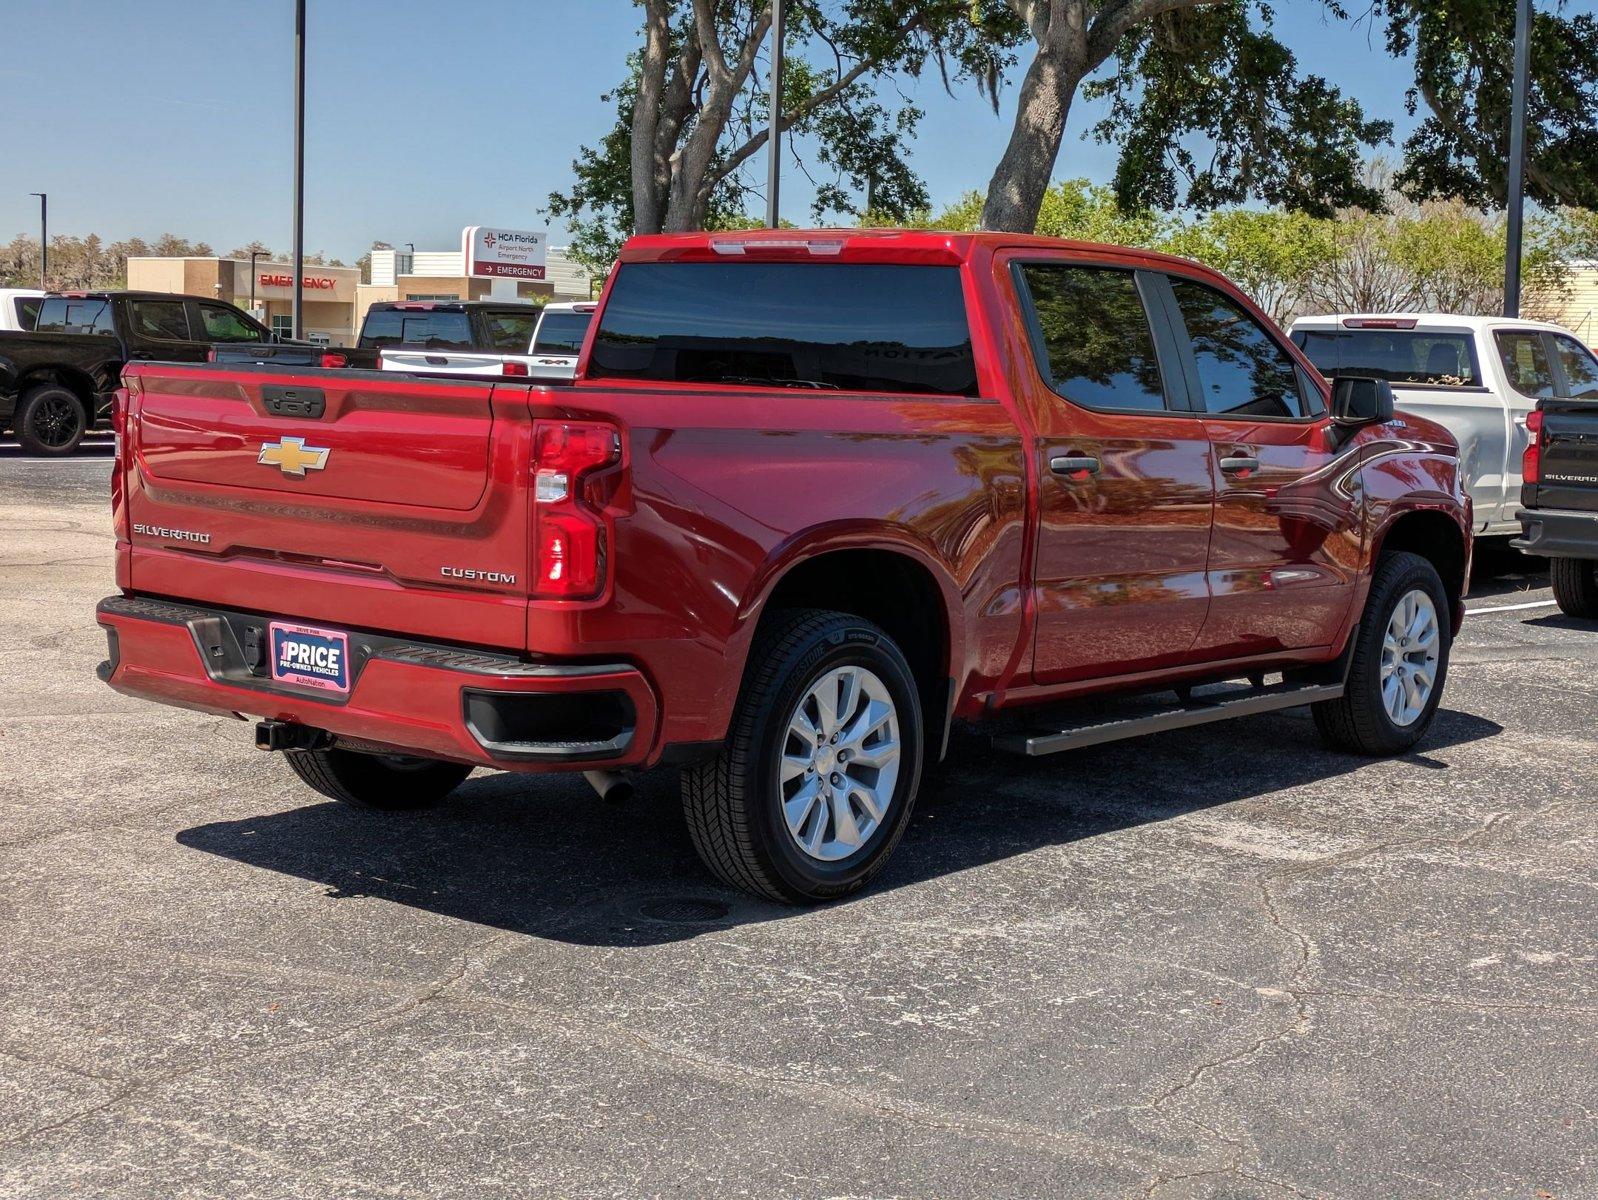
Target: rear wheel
[[50, 421], [391, 782], [1575, 583], [1395, 681], [814, 787]]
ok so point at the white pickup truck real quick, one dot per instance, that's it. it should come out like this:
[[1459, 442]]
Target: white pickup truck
[[19, 308], [1479, 377], [551, 355]]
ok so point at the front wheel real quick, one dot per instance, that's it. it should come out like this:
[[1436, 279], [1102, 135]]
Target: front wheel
[[1575, 583], [50, 421], [814, 786], [391, 782], [1400, 661]]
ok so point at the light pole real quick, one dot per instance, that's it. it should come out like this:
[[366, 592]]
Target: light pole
[[1517, 159], [299, 170], [44, 237], [254, 254], [774, 139]]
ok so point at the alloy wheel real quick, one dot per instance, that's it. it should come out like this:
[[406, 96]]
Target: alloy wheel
[[1410, 650]]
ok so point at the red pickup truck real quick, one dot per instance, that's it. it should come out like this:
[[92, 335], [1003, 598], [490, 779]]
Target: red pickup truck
[[813, 497]]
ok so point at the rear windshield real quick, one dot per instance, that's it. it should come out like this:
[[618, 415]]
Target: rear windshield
[[65, 314], [510, 331], [1401, 356], [852, 326], [562, 332], [423, 329]]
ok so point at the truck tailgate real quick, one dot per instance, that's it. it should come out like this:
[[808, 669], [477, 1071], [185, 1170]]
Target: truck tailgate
[[1569, 455], [336, 496]]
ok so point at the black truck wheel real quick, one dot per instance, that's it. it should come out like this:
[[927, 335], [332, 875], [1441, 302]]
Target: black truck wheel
[[391, 782], [1575, 583], [814, 786], [50, 421], [1400, 662]]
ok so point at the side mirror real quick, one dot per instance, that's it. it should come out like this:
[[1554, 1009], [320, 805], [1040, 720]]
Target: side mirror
[[1361, 400]]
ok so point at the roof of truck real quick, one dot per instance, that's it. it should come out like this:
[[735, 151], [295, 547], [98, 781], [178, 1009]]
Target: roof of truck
[[1422, 321]]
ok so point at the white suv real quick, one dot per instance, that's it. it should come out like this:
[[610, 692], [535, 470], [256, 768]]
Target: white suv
[[1477, 376]]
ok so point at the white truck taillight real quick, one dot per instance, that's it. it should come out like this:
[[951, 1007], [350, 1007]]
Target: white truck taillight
[[570, 536]]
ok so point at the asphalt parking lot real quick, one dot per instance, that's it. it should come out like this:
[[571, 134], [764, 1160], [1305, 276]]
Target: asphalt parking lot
[[1218, 963]]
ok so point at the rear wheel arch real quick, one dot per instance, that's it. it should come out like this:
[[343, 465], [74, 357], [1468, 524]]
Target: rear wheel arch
[[76, 382], [893, 588]]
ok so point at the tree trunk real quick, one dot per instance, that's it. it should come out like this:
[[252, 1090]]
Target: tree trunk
[[646, 116], [1015, 194]]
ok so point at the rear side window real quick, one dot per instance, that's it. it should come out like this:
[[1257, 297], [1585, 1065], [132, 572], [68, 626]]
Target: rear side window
[[423, 329], [853, 326], [1581, 370], [223, 323], [1095, 348], [163, 320], [1400, 356], [1525, 363], [27, 311], [510, 331], [562, 332], [1243, 371], [60, 314]]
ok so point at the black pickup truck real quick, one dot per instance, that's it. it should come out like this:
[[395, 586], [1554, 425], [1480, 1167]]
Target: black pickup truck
[[57, 381], [1559, 493]]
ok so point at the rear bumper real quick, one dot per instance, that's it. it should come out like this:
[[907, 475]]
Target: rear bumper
[[478, 706], [1558, 533]]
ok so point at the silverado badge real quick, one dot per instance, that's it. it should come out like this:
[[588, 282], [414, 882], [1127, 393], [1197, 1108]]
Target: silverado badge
[[293, 457]]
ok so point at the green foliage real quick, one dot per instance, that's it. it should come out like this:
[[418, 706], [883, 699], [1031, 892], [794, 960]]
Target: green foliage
[[1217, 77], [1273, 255], [1463, 54]]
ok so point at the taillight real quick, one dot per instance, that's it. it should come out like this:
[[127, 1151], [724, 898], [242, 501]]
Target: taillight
[[514, 368], [210, 355], [119, 430], [1531, 466], [570, 534], [334, 360]]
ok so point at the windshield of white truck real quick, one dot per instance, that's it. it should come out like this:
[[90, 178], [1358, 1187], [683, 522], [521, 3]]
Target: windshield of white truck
[[419, 328], [1403, 357], [562, 332], [846, 326]]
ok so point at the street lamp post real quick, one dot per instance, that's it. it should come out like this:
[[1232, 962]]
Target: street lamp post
[[299, 169], [44, 237], [254, 254], [774, 139], [1517, 159]]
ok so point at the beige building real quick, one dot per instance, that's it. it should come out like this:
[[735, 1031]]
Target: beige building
[[1578, 310], [268, 292], [441, 275]]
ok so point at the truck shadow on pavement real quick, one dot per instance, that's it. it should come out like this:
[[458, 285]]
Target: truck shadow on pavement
[[545, 857]]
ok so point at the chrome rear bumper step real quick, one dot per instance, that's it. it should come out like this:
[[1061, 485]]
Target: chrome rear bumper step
[[1147, 714]]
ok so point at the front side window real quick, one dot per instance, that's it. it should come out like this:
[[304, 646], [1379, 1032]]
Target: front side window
[[1403, 357], [848, 326], [163, 320], [511, 331], [562, 332], [1581, 369], [61, 314], [1096, 344], [1243, 371], [1525, 363], [224, 323]]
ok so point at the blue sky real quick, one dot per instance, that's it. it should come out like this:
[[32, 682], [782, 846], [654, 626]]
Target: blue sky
[[422, 116]]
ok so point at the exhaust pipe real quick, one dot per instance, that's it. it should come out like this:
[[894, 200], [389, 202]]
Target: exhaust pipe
[[285, 735], [612, 786]]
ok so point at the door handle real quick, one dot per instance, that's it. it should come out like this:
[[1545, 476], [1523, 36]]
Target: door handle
[[1239, 464], [1076, 465]]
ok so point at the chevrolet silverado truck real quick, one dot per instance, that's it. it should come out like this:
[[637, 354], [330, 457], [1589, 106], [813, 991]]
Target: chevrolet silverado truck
[[1559, 498], [57, 378], [1477, 377], [811, 499]]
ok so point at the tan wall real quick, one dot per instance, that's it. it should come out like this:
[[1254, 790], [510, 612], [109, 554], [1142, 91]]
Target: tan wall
[[1579, 312], [156, 274]]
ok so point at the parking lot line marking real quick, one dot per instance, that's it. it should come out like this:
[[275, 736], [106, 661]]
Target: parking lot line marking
[[1477, 612]]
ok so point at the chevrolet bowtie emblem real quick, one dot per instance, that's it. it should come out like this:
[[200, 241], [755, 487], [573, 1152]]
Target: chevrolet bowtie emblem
[[293, 457]]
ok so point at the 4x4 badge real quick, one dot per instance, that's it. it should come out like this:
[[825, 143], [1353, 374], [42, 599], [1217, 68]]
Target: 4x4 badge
[[292, 456]]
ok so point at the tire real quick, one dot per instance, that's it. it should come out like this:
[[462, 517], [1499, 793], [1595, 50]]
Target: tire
[[740, 804], [1362, 719], [1575, 583], [391, 783], [50, 421]]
